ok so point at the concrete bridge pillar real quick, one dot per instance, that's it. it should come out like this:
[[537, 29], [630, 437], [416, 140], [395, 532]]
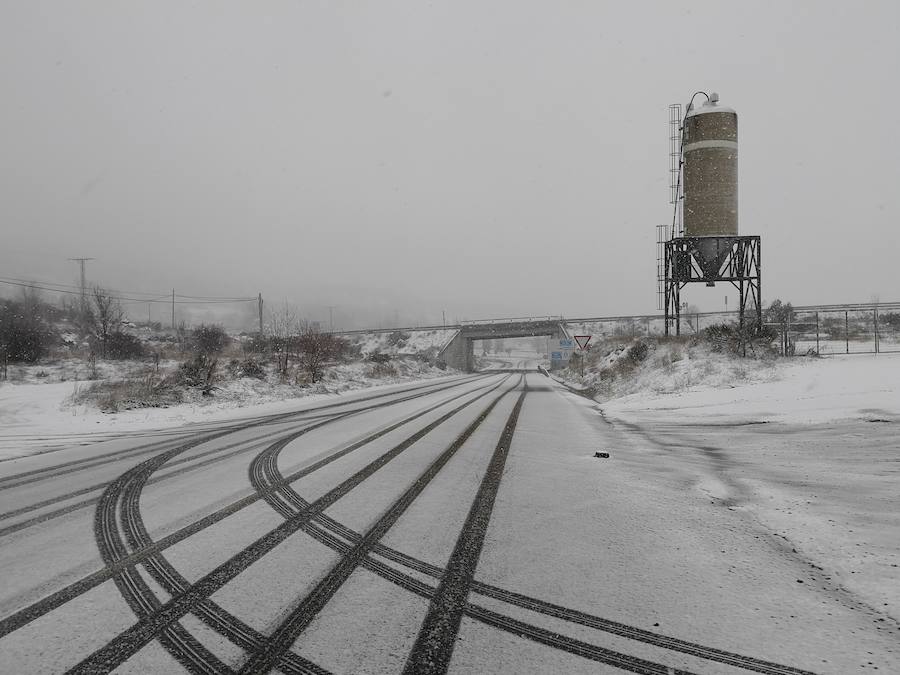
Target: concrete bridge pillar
[[459, 353]]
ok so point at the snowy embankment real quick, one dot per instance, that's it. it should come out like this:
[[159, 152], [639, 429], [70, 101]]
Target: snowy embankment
[[39, 410], [398, 342], [799, 391], [808, 449]]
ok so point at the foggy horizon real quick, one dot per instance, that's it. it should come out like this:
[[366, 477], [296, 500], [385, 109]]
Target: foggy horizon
[[403, 162]]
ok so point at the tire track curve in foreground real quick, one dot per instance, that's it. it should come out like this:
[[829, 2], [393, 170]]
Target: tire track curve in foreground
[[138, 635], [56, 599], [208, 612], [284, 636], [64, 468]]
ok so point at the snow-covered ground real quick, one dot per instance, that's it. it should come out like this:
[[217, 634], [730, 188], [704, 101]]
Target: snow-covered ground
[[810, 453], [37, 411], [413, 342], [800, 390], [710, 532]]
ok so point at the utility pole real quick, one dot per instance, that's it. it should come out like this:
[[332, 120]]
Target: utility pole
[[331, 316], [81, 262], [443, 318], [173, 309], [260, 315]]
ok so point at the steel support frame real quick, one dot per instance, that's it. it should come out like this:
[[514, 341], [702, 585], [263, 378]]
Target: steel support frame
[[741, 267]]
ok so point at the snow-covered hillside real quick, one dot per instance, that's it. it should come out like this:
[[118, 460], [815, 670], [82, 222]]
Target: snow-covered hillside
[[425, 342]]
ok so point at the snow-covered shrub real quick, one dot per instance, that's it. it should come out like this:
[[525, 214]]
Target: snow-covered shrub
[[638, 351], [316, 349], [121, 345], [198, 372], [728, 337], [397, 338], [247, 368], [149, 391], [25, 333], [257, 344], [379, 370], [209, 339]]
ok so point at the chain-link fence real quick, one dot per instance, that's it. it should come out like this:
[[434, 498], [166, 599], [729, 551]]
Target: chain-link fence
[[866, 330], [824, 329]]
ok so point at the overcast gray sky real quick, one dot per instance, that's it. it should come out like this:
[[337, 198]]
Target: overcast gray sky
[[484, 158]]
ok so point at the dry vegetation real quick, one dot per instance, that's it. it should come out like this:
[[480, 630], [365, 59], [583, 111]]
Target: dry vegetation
[[618, 367], [118, 365]]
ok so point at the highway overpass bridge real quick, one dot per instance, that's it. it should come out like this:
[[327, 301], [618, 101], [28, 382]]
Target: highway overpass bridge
[[459, 352]]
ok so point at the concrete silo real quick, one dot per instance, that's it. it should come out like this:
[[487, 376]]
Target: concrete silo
[[703, 244], [710, 152]]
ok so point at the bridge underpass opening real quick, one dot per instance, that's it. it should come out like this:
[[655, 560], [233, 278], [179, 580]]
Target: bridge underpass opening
[[515, 352]]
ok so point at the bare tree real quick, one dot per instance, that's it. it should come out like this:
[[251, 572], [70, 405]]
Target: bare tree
[[106, 316], [181, 334], [316, 350], [283, 328]]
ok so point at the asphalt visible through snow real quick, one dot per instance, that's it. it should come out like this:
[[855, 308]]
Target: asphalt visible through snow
[[455, 525]]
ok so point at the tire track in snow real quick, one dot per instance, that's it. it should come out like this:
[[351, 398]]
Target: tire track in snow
[[72, 466], [40, 608], [505, 623], [433, 648], [286, 501], [269, 655], [10, 529], [141, 599], [213, 615], [130, 641]]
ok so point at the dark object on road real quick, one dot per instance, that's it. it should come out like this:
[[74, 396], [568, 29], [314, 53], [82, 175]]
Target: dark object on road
[[602, 455]]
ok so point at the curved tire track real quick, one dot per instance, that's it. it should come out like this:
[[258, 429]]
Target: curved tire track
[[56, 599], [151, 626]]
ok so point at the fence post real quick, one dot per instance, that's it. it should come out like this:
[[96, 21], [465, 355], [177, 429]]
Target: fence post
[[875, 322], [787, 343], [847, 331], [817, 334]]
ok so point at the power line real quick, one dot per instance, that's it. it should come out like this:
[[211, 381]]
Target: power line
[[40, 287], [62, 288], [165, 294], [214, 297]]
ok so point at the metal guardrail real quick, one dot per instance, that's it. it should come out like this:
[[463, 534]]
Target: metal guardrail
[[454, 326], [517, 319]]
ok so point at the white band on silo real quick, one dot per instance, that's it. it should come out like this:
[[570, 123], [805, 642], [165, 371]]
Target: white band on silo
[[700, 145]]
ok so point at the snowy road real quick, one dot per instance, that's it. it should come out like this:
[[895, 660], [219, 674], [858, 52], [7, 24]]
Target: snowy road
[[461, 525]]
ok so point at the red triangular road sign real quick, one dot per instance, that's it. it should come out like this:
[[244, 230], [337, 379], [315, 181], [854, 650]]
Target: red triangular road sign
[[582, 341]]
